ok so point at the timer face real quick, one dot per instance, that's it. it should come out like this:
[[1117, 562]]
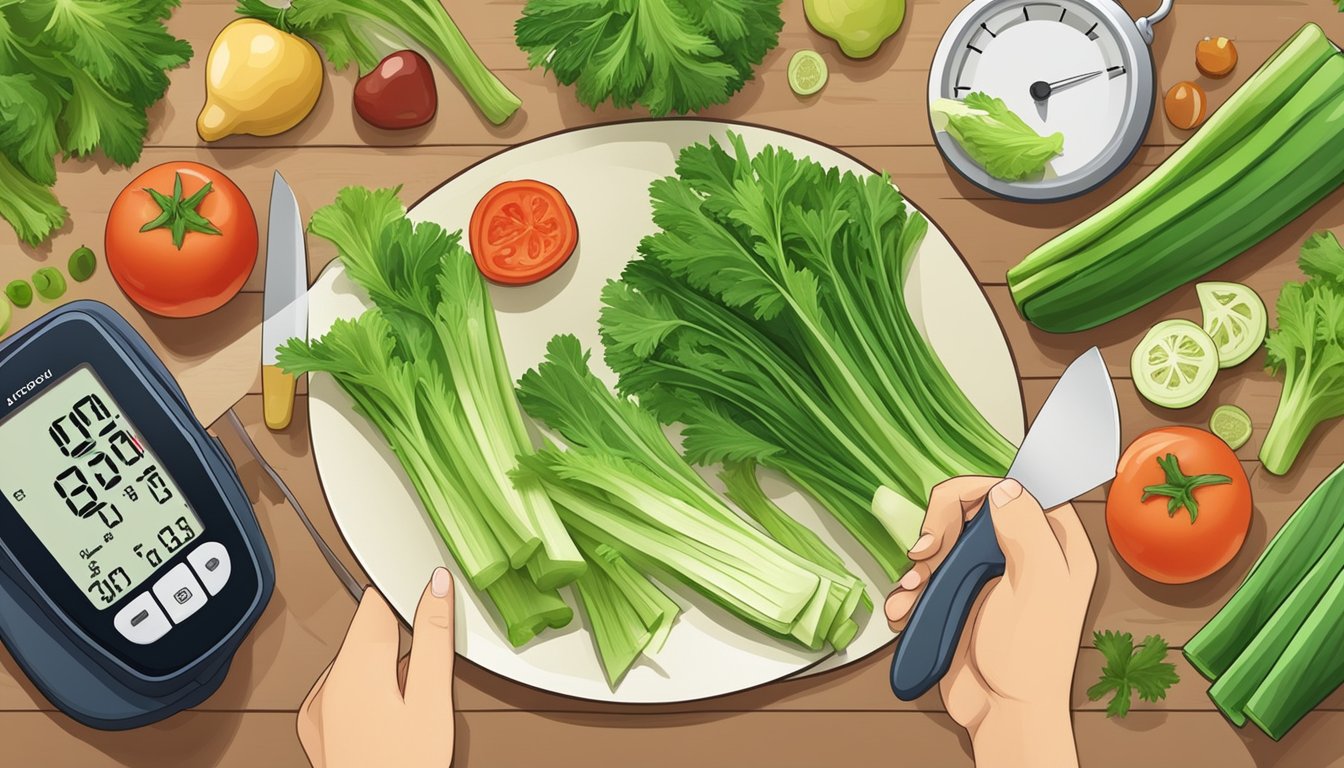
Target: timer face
[[94, 493], [1067, 44]]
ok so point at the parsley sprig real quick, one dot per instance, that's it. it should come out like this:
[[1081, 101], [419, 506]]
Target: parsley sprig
[[1128, 669]]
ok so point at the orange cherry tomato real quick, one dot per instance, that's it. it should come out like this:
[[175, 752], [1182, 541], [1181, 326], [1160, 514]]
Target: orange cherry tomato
[[1180, 545], [200, 248], [522, 231]]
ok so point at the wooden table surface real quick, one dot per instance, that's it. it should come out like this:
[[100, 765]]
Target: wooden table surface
[[873, 109]]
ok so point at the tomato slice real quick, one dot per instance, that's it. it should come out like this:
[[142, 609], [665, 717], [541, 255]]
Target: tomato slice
[[522, 231]]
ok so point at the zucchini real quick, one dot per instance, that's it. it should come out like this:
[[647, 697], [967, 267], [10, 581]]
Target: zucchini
[[1231, 691], [1310, 668], [1291, 554], [1091, 274]]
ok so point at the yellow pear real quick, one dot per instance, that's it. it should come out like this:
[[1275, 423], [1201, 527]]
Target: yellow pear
[[258, 80]]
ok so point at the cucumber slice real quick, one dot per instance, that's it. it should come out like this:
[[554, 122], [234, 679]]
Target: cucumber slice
[[807, 72], [1235, 318], [1232, 424], [1175, 364]]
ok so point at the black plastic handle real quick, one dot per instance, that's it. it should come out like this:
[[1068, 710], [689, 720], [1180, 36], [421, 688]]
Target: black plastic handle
[[925, 649]]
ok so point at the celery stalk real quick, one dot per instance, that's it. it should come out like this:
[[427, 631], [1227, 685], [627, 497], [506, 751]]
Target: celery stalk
[[525, 609], [628, 614]]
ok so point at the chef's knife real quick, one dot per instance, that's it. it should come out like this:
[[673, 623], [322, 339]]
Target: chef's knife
[[286, 301], [1073, 446]]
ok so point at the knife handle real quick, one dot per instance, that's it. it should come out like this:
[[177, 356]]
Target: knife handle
[[277, 396], [924, 651]]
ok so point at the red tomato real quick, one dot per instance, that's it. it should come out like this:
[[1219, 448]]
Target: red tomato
[[200, 249], [522, 231], [1165, 540]]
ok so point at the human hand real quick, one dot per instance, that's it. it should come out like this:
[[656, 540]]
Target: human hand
[[1010, 677], [360, 714]]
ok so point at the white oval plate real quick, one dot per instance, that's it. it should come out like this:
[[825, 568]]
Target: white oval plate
[[605, 172]]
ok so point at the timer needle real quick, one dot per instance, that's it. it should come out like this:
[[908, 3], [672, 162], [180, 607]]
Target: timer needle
[[1041, 90]]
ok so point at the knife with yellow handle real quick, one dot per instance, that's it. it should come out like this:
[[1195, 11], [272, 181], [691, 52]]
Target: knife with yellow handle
[[285, 304]]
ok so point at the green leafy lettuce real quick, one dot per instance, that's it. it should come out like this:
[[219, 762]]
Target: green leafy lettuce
[[667, 55], [768, 316], [995, 137], [1307, 349], [75, 76]]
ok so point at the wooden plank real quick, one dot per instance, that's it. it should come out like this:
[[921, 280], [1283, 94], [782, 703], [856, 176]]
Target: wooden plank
[[242, 740], [854, 108], [815, 739], [218, 739]]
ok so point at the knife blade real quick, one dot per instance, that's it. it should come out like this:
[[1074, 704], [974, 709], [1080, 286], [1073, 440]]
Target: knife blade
[[285, 304], [1073, 446]]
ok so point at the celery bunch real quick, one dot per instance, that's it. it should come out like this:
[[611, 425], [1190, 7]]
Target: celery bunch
[[622, 484], [427, 369], [1307, 348], [768, 315]]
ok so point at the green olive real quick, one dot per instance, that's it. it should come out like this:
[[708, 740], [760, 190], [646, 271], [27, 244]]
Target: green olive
[[82, 264], [49, 283], [19, 292]]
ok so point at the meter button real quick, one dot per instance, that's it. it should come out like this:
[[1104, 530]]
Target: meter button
[[211, 563], [180, 593], [142, 621]]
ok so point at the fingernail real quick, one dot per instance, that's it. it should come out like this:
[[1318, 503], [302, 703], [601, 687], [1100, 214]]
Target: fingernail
[[1004, 492], [910, 580], [441, 582], [922, 544]]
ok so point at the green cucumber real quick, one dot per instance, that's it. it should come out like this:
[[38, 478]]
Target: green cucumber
[[1184, 239], [1174, 364], [1231, 424], [1268, 89], [1235, 317], [807, 72]]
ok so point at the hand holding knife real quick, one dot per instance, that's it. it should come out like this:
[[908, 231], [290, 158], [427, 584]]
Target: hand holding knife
[[1073, 446], [285, 303]]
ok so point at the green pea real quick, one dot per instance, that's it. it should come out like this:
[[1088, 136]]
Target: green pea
[[19, 292], [5, 313], [82, 264], [49, 283]]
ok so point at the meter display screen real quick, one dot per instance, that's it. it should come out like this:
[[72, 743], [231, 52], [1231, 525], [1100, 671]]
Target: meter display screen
[[83, 479]]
